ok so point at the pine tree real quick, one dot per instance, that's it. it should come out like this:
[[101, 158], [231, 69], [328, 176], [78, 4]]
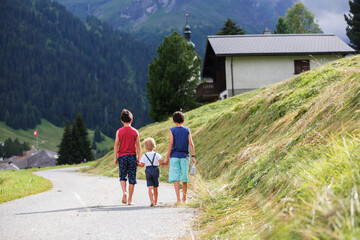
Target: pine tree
[[76, 144], [97, 135], [8, 148], [353, 21], [93, 145], [1, 151], [230, 28], [65, 150], [173, 77], [81, 140], [17, 148]]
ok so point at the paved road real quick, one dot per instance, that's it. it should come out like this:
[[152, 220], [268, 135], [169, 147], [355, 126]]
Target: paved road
[[82, 206]]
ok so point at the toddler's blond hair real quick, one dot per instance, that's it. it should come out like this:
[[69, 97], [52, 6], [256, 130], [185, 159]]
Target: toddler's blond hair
[[150, 144]]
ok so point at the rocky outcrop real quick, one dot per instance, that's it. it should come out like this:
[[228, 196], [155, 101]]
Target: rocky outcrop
[[138, 12], [32, 159]]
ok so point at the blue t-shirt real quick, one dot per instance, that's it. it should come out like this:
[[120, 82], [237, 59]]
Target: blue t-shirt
[[180, 147]]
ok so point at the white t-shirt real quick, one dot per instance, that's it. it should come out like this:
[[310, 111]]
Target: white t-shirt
[[150, 155]]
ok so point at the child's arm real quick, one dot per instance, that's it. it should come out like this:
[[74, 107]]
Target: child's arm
[[138, 148], [116, 148], [192, 148], [161, 162], [171, 142], [141, 162]]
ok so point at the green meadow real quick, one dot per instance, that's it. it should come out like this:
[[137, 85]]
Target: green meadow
[[49, 136], [281, 162]]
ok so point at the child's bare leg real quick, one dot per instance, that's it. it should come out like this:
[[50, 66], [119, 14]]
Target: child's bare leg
[[123, 187], [131, 192], [151, 195], [156, 194], [184, 190], [177, 191]]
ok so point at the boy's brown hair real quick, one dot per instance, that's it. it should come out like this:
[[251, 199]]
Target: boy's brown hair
[[126, 116], [150, 144], [178, 117]]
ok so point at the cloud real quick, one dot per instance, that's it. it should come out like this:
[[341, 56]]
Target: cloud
[[330, 14], [334, 23], [327, 5]]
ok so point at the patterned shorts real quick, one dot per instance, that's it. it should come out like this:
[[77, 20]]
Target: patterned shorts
[[127, 167]]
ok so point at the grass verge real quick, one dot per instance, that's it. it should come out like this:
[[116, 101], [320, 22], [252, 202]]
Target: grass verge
[[16, 184]]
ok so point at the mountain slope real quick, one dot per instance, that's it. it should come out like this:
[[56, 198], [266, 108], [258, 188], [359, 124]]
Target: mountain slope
[[152, 19], [139, 16], [54, 66], [278, 162]]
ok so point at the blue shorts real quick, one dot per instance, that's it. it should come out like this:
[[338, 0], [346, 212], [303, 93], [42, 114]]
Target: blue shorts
[[127, 167], [179, 168], [152, 176]]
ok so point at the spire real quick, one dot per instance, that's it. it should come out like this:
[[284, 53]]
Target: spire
[[187, 32]]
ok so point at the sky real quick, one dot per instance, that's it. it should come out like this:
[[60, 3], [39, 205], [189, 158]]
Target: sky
[[330, 15]]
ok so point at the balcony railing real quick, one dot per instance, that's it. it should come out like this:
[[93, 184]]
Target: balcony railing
[[206, 92]]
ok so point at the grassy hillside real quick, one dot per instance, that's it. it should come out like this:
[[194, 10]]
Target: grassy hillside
[[49, 136], [280, 162]]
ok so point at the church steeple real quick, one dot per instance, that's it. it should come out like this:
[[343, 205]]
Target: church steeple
[[187, 32]]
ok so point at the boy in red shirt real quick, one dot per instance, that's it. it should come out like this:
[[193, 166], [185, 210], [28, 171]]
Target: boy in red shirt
[[126, 148]]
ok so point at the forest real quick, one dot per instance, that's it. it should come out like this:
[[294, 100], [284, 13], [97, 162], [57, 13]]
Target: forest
[[54, 66]]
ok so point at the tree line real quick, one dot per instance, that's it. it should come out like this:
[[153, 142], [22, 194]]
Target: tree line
[[13, 148], [54, 66]]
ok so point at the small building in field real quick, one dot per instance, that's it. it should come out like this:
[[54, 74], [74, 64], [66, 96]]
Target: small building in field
[[240, 63]]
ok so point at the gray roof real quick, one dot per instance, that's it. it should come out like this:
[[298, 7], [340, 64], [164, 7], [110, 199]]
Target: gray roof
[[278, 44]]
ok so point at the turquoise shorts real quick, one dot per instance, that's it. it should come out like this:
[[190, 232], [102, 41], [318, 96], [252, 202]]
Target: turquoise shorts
[[178, 169]]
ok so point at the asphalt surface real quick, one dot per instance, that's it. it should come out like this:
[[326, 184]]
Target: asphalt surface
[[82, 206]]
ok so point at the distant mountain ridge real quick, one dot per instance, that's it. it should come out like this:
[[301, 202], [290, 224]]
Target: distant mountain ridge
[[54, 66], [150, 20]]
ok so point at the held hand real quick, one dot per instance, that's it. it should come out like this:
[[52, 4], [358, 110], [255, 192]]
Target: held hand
[[166, 163], [116, 162], [193, 160]]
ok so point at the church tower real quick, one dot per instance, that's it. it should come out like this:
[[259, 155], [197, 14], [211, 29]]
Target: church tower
[[187, 32]]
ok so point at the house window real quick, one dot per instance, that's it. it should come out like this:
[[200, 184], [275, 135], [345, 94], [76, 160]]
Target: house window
[[301, 66]]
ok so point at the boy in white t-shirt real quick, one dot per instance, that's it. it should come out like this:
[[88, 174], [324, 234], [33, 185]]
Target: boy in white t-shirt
[[151, 160]]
